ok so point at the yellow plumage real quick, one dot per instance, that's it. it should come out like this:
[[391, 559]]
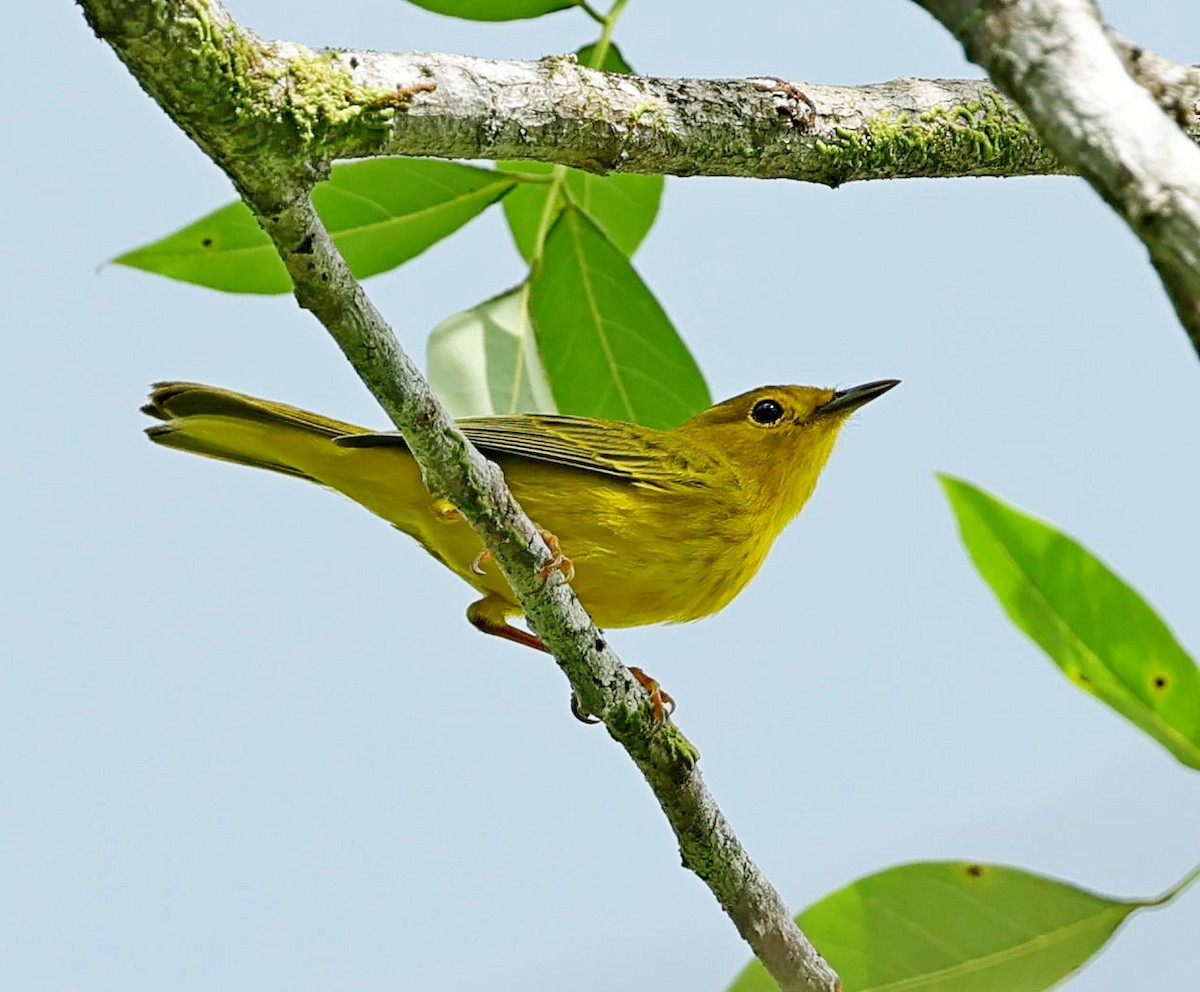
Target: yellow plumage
[[662, 526]]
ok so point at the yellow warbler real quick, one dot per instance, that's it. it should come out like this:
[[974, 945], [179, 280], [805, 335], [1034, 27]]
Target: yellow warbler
[[660, 526]]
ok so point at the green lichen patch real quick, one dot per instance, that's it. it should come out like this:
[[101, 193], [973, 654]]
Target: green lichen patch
[[314, 93], [684, 755], [984, 137]]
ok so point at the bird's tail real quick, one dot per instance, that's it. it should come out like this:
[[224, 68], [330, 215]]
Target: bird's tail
[[233, 427]]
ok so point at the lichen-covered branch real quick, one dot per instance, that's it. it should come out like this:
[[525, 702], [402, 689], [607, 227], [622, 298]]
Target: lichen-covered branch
[[345, 104], [1121, 118], [557, 110], [273, 134]]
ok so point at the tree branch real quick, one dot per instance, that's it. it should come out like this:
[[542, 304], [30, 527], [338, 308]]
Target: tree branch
[[558, 111], [273, 126], [347, 104], [1057, 60]]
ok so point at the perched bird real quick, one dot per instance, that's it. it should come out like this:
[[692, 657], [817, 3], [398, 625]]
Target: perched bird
[[660, 526]]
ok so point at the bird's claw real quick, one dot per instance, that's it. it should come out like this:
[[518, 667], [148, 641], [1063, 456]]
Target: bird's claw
[[481, 559], [577, 710], [558, 561], [661, 703]]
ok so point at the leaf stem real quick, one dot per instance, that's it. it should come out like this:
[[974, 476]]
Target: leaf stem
[[605, 42], [591, 11], [558, 175]]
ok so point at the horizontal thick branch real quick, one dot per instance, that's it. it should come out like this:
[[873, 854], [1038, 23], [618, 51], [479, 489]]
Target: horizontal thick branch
[[557, 110], [345, 104]]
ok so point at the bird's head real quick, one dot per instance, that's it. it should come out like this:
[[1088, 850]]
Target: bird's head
[[778, 438]]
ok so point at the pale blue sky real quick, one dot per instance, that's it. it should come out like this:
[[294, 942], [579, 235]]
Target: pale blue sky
[[247, 739]]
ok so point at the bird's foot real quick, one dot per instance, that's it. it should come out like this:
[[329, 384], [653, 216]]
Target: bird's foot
[[558, 561], [661, 703]]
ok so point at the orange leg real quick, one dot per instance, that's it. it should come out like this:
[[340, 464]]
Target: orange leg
[[491, 614]]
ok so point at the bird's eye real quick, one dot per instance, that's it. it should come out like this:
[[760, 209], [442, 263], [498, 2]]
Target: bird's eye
[[767, 412]]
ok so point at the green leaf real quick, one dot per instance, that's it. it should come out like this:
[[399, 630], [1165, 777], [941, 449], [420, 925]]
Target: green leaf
[[381, 212], [608, 348], [956, 927], [613, 60], [623, 206], [494, 10], [1097, 629], [484, 360]]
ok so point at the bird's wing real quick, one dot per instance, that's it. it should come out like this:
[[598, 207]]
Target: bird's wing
[[619, 450]]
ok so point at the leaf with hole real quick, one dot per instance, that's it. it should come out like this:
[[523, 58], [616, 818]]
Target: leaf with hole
[[380, 213], [1095, 627], [946, 926], [607, 346]]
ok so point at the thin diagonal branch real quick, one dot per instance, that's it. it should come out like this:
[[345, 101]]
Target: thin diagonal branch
[[1059, 62], [272, 149]]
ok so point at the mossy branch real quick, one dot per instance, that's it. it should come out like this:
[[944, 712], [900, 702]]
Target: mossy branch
[[276, 98], [273, 116]]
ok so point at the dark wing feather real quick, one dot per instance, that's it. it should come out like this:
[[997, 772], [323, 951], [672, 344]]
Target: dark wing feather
[[640, 455]]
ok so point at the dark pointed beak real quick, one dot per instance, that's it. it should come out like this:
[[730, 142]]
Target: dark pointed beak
[[845, 400]]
